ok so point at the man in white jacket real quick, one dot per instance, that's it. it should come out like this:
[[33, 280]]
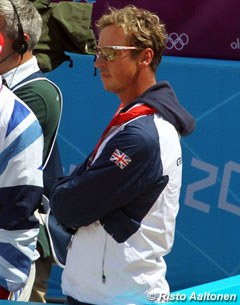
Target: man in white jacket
[[123, 201]]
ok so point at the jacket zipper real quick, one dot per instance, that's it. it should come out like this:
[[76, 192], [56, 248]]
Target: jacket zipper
[[103, 260]]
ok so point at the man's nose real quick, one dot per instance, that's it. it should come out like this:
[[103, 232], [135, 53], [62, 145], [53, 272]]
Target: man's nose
[[99, 62]]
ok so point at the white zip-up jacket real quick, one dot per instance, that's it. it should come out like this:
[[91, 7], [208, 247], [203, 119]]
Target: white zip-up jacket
[[124, 206]]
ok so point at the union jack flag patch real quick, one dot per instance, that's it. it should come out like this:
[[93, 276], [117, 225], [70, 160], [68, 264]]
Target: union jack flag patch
[[120, 159]]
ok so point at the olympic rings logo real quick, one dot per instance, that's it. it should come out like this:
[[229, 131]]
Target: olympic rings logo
[[177, 41]]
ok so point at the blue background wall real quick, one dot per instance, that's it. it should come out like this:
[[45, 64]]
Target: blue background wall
[[206, 245]]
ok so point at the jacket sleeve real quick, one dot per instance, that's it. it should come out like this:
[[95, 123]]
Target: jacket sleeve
[[21, 190], [118, 175]]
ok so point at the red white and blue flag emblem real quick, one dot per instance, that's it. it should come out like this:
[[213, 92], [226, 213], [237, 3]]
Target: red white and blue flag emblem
[[120, 159]]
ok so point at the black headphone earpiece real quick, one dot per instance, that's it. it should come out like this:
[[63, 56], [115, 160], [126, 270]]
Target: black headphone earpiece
[[19, 45]]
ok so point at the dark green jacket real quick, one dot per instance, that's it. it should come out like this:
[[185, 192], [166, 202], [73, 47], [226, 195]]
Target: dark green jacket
[[45, 100], [67, 27]]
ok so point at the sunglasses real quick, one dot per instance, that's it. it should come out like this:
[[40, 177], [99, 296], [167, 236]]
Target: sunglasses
[[111, 53]]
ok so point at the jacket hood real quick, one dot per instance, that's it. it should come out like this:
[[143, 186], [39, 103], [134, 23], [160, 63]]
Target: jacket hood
[[162, 97]]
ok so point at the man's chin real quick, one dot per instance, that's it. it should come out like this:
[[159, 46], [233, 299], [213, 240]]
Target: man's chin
[[108, 87]]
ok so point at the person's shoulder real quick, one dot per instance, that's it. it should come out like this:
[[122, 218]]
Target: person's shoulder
[[42, 85], [39, 89], [143, 129], [138, 137]]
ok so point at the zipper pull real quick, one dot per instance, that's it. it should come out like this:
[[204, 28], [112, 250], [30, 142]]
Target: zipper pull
[[103, 278]]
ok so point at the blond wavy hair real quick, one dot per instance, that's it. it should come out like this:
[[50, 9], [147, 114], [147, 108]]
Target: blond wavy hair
[[142, 27]]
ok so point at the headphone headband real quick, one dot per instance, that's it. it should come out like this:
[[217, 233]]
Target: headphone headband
[[20, 45]]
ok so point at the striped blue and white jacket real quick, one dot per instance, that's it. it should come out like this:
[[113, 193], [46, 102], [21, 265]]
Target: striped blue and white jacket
[[21, 187]]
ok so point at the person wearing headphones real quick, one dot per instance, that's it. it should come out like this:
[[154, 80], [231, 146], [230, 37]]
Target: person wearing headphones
[[20, 29]]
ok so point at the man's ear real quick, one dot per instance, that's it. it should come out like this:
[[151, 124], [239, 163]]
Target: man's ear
[[1, 43], [26, 37], [146, 57]]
